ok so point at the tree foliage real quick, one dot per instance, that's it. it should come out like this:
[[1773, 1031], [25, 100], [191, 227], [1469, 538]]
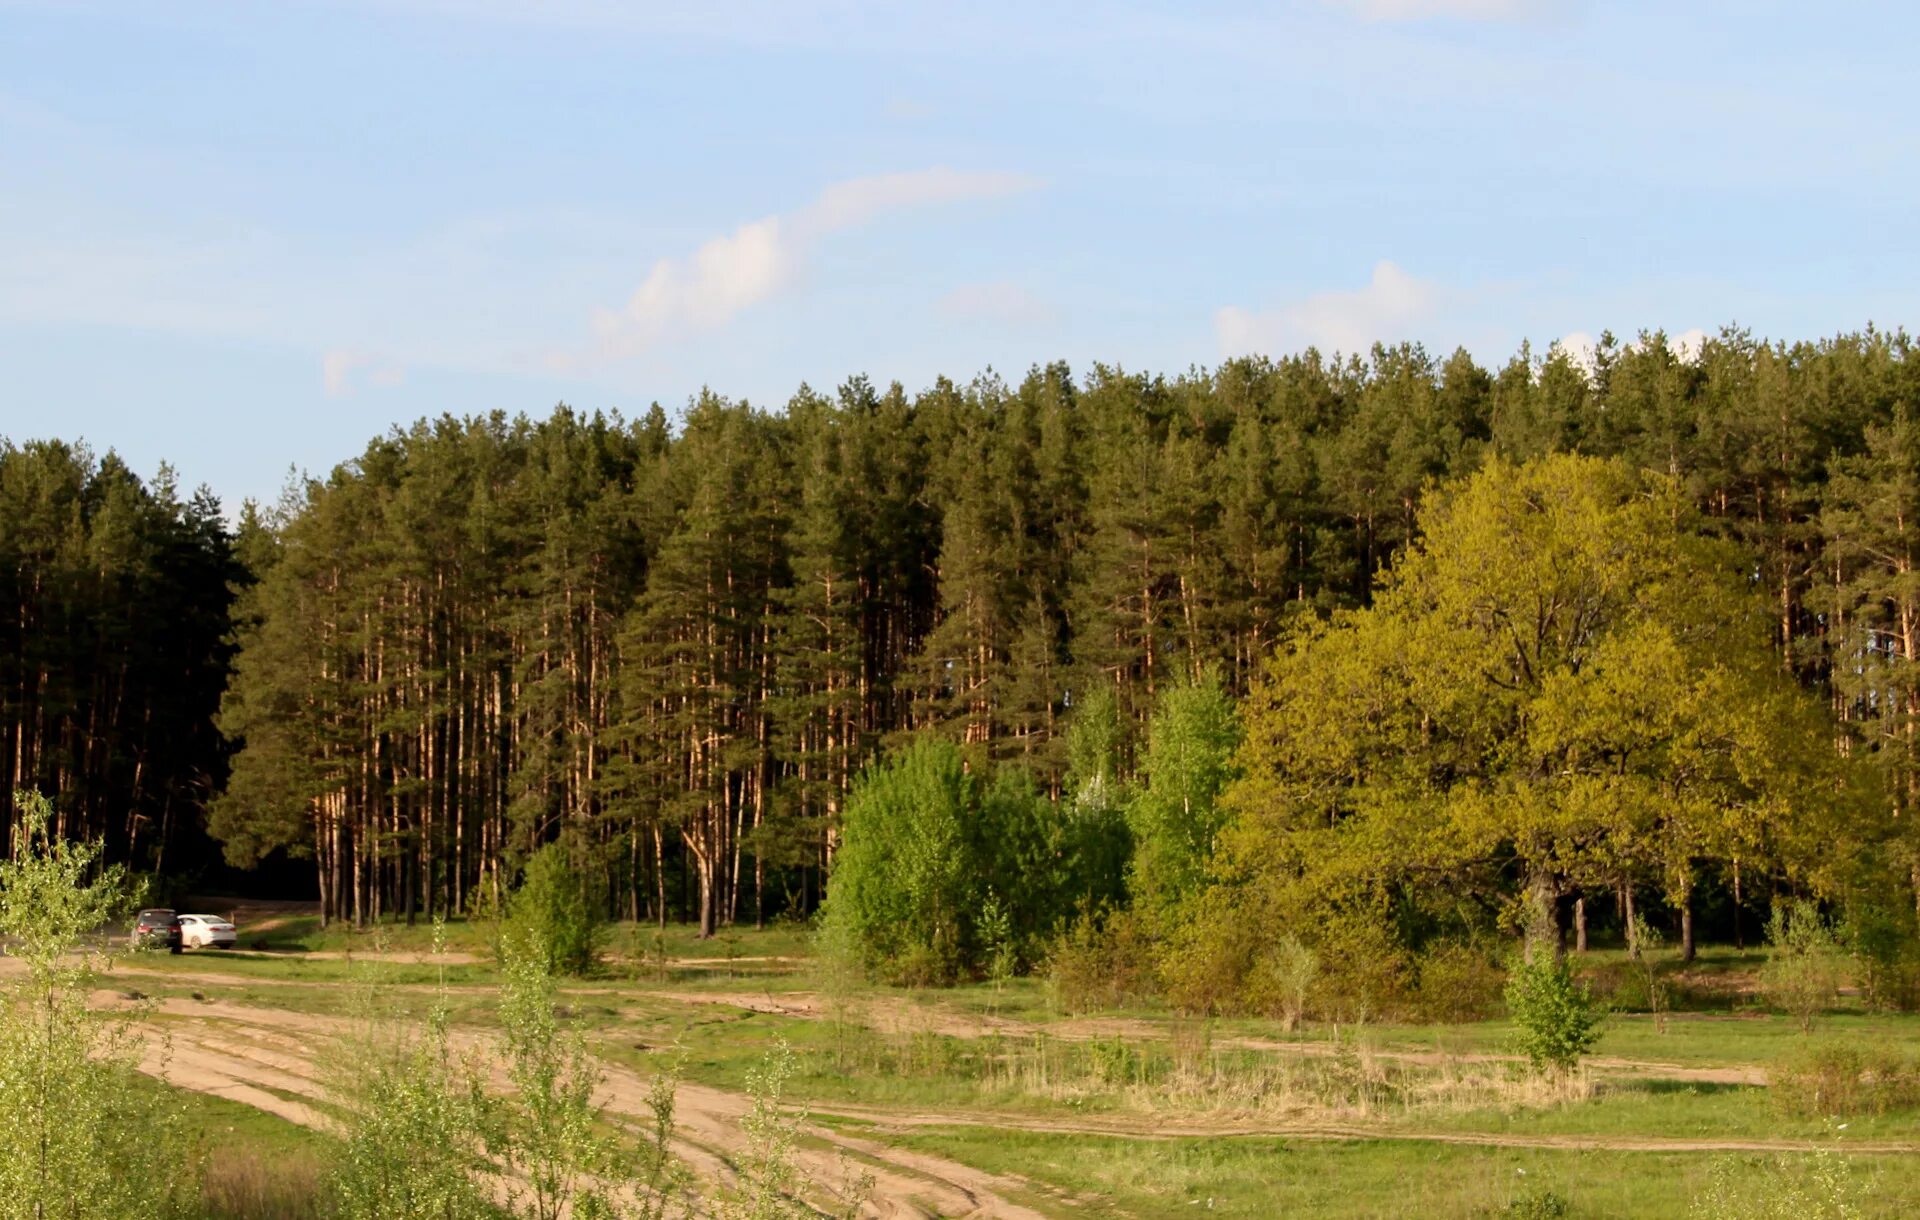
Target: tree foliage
[[1555, 1017], [553, 917], [1562, 685], [677, 639], [79, 1125]]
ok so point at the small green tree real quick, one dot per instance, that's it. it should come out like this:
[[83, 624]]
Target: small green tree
[[772, 1184], [412, 1112], [905, 878], [547, 1130], [549, 1138], [1807, 965], [553, 914], [1555, 1018], [1176, 815], [79, 1129], [996, 940], [1646, 942], [1282, 976]]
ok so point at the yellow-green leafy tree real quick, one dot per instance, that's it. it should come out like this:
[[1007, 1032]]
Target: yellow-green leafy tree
[[1562, 684]]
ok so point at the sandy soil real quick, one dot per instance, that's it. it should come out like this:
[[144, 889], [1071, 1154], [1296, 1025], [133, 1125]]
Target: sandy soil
[[267, 1057]]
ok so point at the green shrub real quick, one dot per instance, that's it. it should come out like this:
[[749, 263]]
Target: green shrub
[[1455, 983], [1537, 1204], [1807, 965], [82, 1133], [927, 850], [769, 1181], [1555, 1018], [1365, 973], [1819, 1186], [1206, 954], [1098, 963], [1281, 980], [1833, 1079], [553, 915], [1883, 936], [902, 880]]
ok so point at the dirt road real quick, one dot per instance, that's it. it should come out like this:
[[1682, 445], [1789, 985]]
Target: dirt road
[[267, 1058]]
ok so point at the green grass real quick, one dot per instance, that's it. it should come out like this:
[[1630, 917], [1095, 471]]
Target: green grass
[[256, 1165], [1166, 1065], [1256, 1176]]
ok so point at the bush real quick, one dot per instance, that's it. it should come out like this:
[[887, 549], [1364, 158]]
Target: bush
[[82, 1133], [1819, 1186], [1100, 963], [927, 848], [1456, 983], [553, 915], [1206, 955], [1804, 972], [1555, 1018], [1884, 938], [1281, 982], [1839, 1078], [410, 1111], [902, 881], [1538, 1204], [1364, 971]]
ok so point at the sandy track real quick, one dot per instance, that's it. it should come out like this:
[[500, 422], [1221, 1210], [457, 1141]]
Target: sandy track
[[266, 1058]]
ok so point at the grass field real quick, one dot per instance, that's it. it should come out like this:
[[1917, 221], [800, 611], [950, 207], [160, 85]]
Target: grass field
[[1140, 1112]]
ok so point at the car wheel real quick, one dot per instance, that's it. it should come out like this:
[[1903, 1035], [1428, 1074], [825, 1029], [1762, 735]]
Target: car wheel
[[173, 949]]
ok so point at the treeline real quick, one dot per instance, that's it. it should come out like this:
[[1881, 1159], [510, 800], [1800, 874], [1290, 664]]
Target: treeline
[[676, 646], [1563, 696], [114, 649]]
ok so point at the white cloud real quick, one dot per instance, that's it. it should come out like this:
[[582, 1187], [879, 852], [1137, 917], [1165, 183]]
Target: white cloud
[[1390, 308], [1001, 301], [858, 200], [763, 258], [340, 369], [1580, 349], [1688, 344]]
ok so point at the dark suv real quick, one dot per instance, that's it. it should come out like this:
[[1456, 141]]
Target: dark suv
[[155, 927]]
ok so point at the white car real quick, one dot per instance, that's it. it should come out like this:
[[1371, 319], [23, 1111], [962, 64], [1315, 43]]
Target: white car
[[206, 932]]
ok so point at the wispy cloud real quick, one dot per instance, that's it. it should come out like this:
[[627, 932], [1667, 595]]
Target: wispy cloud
[[343, 369], [906, 110], [1454, 10], [1392, 306], [763, 258], [1001, 302]]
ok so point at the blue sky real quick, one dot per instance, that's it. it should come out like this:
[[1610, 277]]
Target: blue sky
[[245, 237]]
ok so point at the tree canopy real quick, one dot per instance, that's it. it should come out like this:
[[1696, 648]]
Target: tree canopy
[[676, 640], [1562, 685]]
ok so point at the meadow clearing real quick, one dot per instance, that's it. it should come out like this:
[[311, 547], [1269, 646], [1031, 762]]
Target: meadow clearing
[[993, 1100]]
